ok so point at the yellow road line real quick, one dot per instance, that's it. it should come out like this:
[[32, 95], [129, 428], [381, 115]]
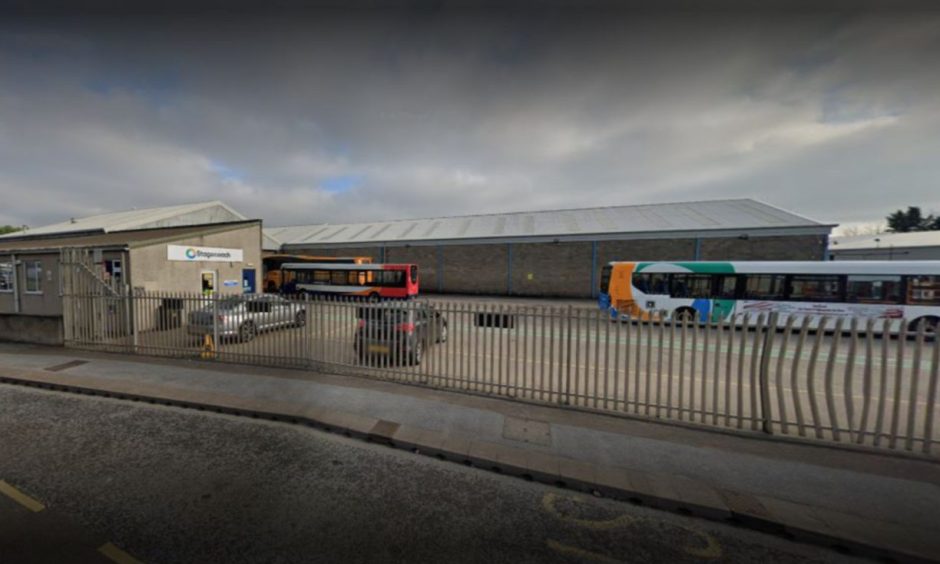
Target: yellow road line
[[117, 555], [21, 498]]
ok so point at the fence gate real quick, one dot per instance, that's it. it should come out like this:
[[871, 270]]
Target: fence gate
[[96, 312]]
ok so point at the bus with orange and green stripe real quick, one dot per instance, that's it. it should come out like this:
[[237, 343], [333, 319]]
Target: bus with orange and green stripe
[[898, 291]]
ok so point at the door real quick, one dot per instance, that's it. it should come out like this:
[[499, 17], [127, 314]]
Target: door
[[248, 281], [208, 283]]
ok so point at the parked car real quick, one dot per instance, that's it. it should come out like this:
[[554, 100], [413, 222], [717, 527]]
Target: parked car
[[399, 331], [243, 317]]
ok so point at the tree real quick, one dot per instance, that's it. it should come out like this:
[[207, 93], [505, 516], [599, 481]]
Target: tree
[[912, 220], [4, 229]]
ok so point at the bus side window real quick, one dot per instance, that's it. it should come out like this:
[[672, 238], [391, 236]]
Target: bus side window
[[659, 284], [726, 286], [874, 289], [923, 290], [641, 282], [691, 286], [815, 288], [764, 286]]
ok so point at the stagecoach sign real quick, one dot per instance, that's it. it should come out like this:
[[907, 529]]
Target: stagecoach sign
[[203, 254]]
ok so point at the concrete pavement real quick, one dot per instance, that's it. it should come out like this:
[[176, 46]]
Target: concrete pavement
[[876, 504]]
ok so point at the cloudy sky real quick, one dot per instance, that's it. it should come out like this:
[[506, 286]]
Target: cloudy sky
[[336, 116]]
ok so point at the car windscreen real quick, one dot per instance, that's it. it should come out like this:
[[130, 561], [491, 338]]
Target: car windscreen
[[229, 304]]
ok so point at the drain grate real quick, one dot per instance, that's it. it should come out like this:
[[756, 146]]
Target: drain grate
[[66, 365]]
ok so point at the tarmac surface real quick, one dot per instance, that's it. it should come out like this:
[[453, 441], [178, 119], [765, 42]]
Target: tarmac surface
[[171, 485], [840, 496]]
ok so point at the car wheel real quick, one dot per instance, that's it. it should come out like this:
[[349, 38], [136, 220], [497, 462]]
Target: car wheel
[[247, 332], [684, 315], [300, 319], [930, 325], [373, 298], [417, 353]]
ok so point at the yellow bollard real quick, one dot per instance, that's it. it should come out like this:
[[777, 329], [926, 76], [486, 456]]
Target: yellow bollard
[[208, 348]]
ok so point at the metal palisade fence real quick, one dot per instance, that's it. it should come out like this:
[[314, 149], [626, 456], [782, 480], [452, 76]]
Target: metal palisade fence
[[844, 382]]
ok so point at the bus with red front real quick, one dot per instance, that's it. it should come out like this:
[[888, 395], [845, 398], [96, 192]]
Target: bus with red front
[[369, 281]]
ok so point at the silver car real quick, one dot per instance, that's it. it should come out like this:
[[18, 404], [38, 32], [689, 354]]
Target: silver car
[[246, 316]]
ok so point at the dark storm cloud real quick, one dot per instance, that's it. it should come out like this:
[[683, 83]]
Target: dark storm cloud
[[345, 116]]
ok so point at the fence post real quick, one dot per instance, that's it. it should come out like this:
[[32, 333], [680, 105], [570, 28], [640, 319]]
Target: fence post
[[215, 323], [770, 329], [567, 396]]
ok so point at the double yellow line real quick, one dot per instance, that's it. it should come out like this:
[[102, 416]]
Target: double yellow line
[[108, 549], [21, 498]]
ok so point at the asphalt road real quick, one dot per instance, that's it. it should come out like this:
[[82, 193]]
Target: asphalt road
[[173, 485]]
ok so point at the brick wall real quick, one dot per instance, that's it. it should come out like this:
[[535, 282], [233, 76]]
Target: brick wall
[[426, 259], [801, 247], [551, 269], [564, 269], [475, 269]]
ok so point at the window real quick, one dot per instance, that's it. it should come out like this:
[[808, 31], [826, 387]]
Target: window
[[258, 306], [924, 290], [764, 286], [114, 270], [691, 286], [338, 277], [414, 274], [815, 288], [879, 289], [657, 283], [34, 276], [6, 276], [321, 276], [726, 286], [393, 278]]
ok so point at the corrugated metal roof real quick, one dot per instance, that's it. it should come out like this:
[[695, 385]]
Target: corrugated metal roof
[[135, 238], [743, 214], [885, 240], [200, 213]]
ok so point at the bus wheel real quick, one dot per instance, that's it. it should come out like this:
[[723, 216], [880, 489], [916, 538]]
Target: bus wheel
[[373, 298], [930, 325], [684, 315]]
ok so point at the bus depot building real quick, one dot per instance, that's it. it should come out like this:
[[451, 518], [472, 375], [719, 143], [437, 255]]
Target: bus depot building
[[560, 253], [918, 245], [163, 254]]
